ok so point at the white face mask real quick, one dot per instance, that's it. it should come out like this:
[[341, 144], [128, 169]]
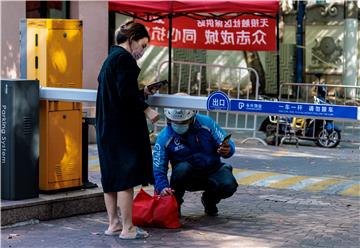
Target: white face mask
[[137, 52], [180, 128]]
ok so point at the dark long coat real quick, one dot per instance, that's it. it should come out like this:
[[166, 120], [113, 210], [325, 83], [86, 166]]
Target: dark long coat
[[121, 129]]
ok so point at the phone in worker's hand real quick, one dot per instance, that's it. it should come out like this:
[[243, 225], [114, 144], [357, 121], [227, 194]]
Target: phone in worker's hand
[[226, 139], [157, 85]]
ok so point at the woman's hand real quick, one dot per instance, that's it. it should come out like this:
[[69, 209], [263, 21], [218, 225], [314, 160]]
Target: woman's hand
[[148, 92], [167, 191], [152, 115]]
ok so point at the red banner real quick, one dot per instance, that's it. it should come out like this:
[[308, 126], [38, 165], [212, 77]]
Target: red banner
[[247, 33]]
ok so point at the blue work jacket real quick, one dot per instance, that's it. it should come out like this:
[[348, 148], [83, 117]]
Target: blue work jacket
[[204, 136]]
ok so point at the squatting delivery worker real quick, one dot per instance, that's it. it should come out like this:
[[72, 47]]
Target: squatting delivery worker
[[193, 145]]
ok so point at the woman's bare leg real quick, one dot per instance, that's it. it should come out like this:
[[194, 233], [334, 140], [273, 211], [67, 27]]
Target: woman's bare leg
[[111, 208], [125, 199]]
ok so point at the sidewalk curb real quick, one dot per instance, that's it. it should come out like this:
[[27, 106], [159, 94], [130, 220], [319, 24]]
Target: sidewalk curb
[[42, 208]]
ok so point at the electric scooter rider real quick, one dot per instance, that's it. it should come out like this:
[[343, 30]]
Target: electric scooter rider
[[193, 145]]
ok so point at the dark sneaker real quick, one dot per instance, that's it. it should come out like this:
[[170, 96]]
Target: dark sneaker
[[209, 209]]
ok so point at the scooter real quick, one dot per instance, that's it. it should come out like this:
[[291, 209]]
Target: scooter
[[323, 132]]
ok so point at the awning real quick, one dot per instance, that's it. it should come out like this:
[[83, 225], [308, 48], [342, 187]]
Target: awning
[[150, 10], [162, 7]]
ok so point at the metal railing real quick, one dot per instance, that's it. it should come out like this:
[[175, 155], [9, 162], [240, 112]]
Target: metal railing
[[335, 94], [201, 79]]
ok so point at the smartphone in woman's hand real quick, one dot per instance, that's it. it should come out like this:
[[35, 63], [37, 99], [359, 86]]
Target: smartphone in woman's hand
[[157, 85]]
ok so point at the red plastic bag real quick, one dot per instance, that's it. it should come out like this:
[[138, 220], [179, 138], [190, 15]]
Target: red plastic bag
[[156, 211]]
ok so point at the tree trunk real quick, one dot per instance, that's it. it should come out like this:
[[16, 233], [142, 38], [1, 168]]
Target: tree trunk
[[253, 60]]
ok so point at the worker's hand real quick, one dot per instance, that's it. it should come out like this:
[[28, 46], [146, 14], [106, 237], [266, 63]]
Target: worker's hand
[[148, 92], [152, 115], [224, 149], [167, 191]]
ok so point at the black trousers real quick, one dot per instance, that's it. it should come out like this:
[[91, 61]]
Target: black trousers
[[217, 185]]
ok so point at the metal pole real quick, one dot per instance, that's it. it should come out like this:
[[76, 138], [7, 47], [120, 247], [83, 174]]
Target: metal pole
[[277, 55], [85, 162], [196, 102], [170, 48], [299, 42]]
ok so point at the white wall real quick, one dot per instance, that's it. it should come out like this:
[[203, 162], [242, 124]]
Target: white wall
[[11, 13], [94, 15]]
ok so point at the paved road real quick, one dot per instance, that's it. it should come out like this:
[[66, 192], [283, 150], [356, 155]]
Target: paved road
[[306, 160], [307, 168], [314, 169]]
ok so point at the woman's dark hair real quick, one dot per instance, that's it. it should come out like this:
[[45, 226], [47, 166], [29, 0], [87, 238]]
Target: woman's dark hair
[[130, 31]]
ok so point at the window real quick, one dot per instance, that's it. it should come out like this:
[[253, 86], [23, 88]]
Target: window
[[48, 9]]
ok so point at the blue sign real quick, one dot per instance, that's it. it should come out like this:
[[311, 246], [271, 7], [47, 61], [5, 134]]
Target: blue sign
[[300, 109], [218, 100]]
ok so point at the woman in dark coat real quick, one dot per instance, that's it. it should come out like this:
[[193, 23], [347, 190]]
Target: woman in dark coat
[[121, 129]]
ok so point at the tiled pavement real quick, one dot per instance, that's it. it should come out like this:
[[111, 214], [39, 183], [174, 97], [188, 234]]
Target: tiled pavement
[[253, 217]]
